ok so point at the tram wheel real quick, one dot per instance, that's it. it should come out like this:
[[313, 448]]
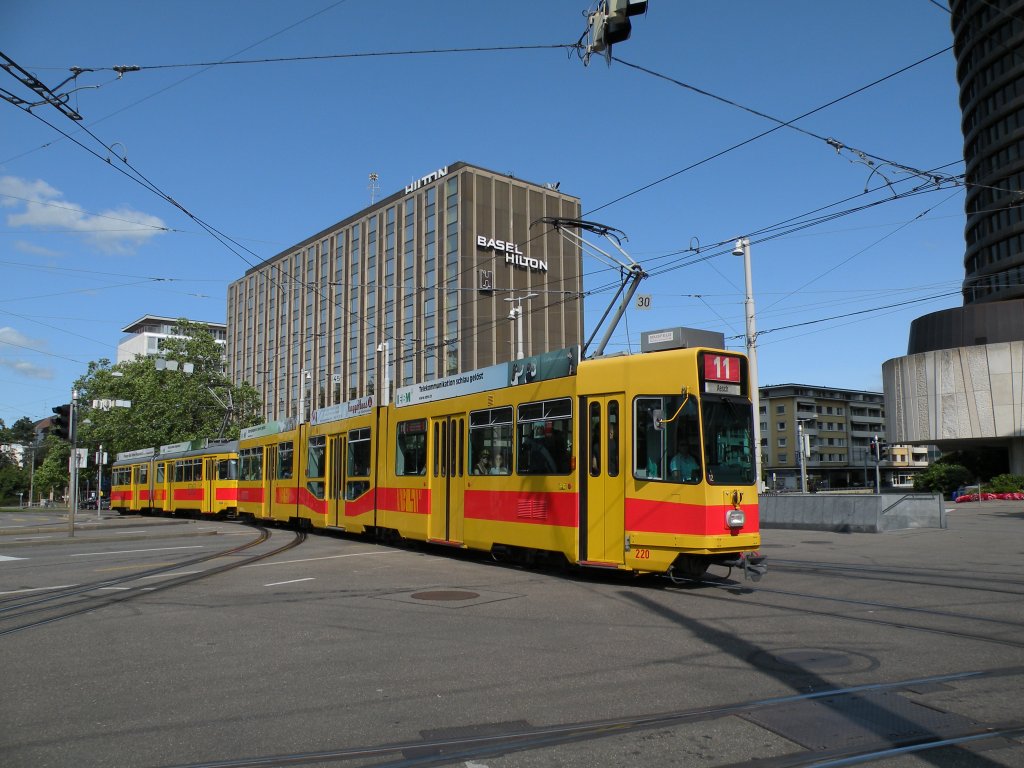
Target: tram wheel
[[691, 567]]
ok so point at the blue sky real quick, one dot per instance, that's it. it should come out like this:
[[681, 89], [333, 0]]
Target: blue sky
[[271, 153]]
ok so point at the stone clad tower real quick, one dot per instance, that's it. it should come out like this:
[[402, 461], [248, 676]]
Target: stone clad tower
[[961, 383]]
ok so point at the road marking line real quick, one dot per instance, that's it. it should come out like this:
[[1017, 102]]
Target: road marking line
[[293, 581], [130, 551], [38, 589], [118, 589], [5, 557], [312, 559]]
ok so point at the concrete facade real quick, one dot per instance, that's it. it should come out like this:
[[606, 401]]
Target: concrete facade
[[954, 398], [421, 282]]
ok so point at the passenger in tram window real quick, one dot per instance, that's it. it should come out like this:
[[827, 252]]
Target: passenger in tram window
[[683, 465], [500, 467], [483, 463], [539, 460]]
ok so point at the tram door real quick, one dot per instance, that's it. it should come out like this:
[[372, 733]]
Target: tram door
[[337, 448], [160, 486], [209, 485], [153, 503], [447, 477], [606, 486], [269, 475]]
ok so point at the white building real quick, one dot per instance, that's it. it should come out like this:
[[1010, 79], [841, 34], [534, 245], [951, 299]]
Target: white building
[[145, 334]]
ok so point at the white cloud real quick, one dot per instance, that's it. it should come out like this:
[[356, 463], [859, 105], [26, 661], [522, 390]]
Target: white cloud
[[16, 337], [15, 340], [35, 250], [31, 370], [17, 191], [115, 230]]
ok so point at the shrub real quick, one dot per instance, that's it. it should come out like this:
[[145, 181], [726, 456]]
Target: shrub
[[1005, 484], [942, 478]]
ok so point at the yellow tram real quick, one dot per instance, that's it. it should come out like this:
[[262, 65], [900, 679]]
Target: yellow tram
[[200, 476], [642, 463]]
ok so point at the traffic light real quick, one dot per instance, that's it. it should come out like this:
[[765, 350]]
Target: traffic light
[[878, 449], [60, 422], [610, 24]]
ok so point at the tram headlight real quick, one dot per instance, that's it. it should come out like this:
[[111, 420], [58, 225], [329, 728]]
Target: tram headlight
[[735, 518]]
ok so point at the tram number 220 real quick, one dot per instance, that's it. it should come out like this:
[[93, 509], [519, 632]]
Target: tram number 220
[[642, 554]]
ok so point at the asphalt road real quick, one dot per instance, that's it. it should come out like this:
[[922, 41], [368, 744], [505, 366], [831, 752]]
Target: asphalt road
[[341, 651]]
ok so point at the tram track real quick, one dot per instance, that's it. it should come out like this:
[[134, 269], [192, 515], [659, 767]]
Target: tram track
[[997, 583], [74, 600], [734, 587], [463, 750]]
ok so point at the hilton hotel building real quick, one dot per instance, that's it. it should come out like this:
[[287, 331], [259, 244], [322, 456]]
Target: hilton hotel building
[[432, 270]]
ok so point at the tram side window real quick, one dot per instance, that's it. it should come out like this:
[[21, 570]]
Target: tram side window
[[411, 453], [358, 462], [144, 474], [188, 470], [666, 441], [544, 435], [250, 462], [122, 476], [160, 468], [315, 455], [227, 469], [490, 441], [284, 460]]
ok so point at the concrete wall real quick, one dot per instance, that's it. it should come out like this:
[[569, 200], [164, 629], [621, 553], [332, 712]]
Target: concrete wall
[[955, 394], [852, 514]]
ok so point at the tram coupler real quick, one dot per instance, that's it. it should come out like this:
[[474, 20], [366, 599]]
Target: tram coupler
[[752, 564]]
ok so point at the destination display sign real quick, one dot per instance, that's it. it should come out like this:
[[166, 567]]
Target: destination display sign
[[141, 453], [344, 410], [722, 374], [262, 430]]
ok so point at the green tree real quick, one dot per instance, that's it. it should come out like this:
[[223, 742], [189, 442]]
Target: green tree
[[21, 432], [166, 406], [942, 478], [52, 472]]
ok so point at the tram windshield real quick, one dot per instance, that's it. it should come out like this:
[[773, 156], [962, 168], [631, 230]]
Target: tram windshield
[[728, 441]]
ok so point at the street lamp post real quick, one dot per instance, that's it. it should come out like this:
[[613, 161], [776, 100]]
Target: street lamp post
[[32, 478], [101, 459], [743, 249], [516, 313], [385, 348], [801, 454], [303, 376], [73, 469]]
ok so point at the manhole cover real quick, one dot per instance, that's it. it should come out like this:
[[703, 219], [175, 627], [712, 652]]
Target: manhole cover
[[446, 594]]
